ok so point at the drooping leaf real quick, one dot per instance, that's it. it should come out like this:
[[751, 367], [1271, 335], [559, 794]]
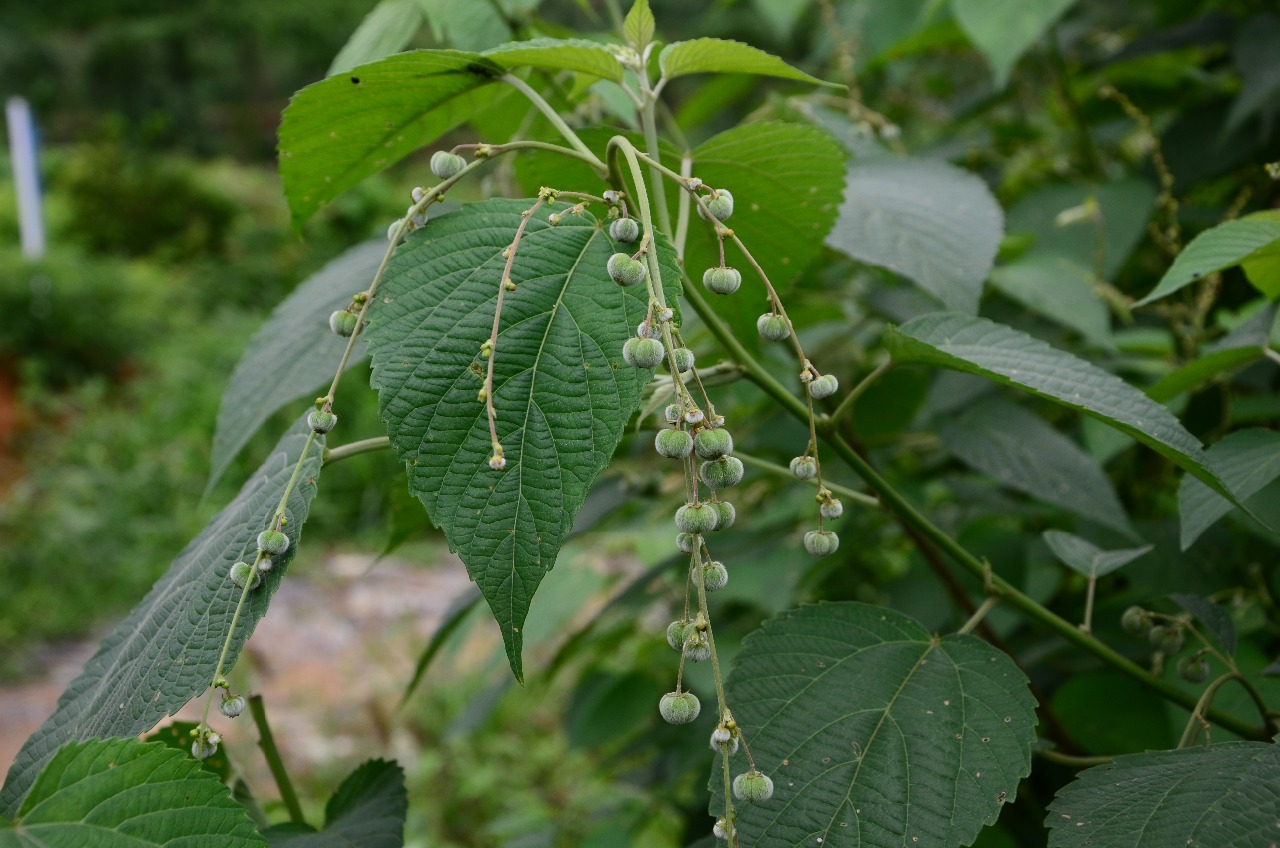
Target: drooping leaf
[[1013, 358], [638, 26], [165, 652], [336, 132], [720, 56], [1217, 248], [1020, 450], [1005, 29], [559, 54], [1084, 557], [929, 221], [1212, 616], [293, 354], [122, 793], [562, 392], [874, 731], [1059, 289], [1246, 461], [388, 27], [1220, 797], [367, 811], [1199, 371]]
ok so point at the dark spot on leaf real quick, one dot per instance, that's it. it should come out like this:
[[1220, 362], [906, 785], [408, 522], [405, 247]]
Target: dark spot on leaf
[[355, 80], [481, 70]]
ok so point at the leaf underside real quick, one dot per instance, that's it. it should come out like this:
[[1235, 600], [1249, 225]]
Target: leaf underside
[[875, 732], [165, 652], [562, 394], [1247, 461]]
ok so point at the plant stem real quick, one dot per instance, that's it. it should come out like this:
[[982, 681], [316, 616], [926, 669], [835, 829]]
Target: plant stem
[[836, 488], [267, 742], [649, 124], [1068, 760], [846, 404], [341, 452], [556, 121], [980, 613]]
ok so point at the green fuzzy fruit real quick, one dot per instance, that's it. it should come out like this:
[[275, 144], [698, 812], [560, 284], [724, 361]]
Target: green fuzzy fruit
[[686, 542], [624, 270], [831, 509], [804, 467], [824, 386], [720, 204], [675, 634], [712, 444], [672, 413], [726, 513], [625, 230], [1166, 638], [343, 323], [240, 575], [673, 444], [772, 328], [714, 576], [322, 422], [273, 542], [821, 542], [753, 786], [697, 647], [1135, 621], [445, 164], [697, 518], [721, 473], [231, 705], [722, 280], [684, 359], [724, 739], [679, 707], [1193, 669]]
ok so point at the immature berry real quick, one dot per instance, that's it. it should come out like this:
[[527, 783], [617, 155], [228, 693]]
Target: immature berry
[[445, 164], [804, 467], [684, 359], [645, 330], [240, 575], [673, 444], [343, 322], [679, 707], [322, 422], [265, 564], [392, 229], [231, 705], [672, 413], [1135, 621], [686, 542], [273, 542], [714, 576], [204, 747], [772, 328], [824, 386], [753, 786], [722, 280], [697, 518], [694, 416], [712, 444], [625, 230], [831, 508], [721, 473], [724, 739], [1193, 669], [721, 829], [675, 634], [643, 353], [726, 513], [624, 270], [821, 542], [720, 204], [697, 647], [1166, 638]]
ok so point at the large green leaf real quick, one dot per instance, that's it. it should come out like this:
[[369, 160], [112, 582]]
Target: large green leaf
[[336, 132], [1059, 289], [1227, 796], [559, 54], [1254, 236], [367, 811], [1084, 557], [1246, 461], [165, 652], [292, 354], [562, 393], [388, 27], [1013, 358], [874, 731], [1018, 449], [1004, 29], [122, 793], [1197, 372], [719, 56], [928, 221]]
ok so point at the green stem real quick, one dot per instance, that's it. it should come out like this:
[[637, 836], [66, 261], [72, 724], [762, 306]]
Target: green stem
[[1068, 760], [895, 502], [836, 488], [341, 452], [267, 742], [649, 124], [846, 404], [979, 614], [556, 121]]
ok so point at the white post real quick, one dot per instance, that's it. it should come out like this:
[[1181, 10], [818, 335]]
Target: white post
[[26, 176]]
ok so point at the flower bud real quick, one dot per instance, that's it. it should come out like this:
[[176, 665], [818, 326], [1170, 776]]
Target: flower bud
[[831, 508], [231, 705], [804, 467]]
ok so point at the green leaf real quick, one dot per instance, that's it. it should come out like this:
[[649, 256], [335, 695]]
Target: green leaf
[[781, 16], [1013, 358], [1212, 616], [1084, 557], [562, 393], [1005, 29], [387, 28], [869, 725], [454, 616], [1254, 56], [1018, 449], [559, 54], [165, 652], [293, 354], [720, 56], [639, 25], [122, 793], [929, 221], [1197, 372], [1246, 461], [367, 811], [336, 132], [468, 26], [1059, 289], [1217, 248], [1226, 796]]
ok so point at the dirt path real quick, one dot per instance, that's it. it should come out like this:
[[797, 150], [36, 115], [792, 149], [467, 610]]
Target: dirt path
[[329, 659]]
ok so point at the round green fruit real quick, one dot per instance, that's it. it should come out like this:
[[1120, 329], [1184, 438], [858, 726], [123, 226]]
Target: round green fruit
[[804, 467], [726, 513], [713, 444], [714, 576], [697, 518], [772, 328], [675, 634], [720, 205], [643, 353], [343, 323], [673, 444], [273, 542], [721, 473], [753, 786], [683, 358], [624, 270], [625, 230], [445, 164], [1135, 621], [722, 280], [823, 387], [821, 542], [679, 707], [322, 422]]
